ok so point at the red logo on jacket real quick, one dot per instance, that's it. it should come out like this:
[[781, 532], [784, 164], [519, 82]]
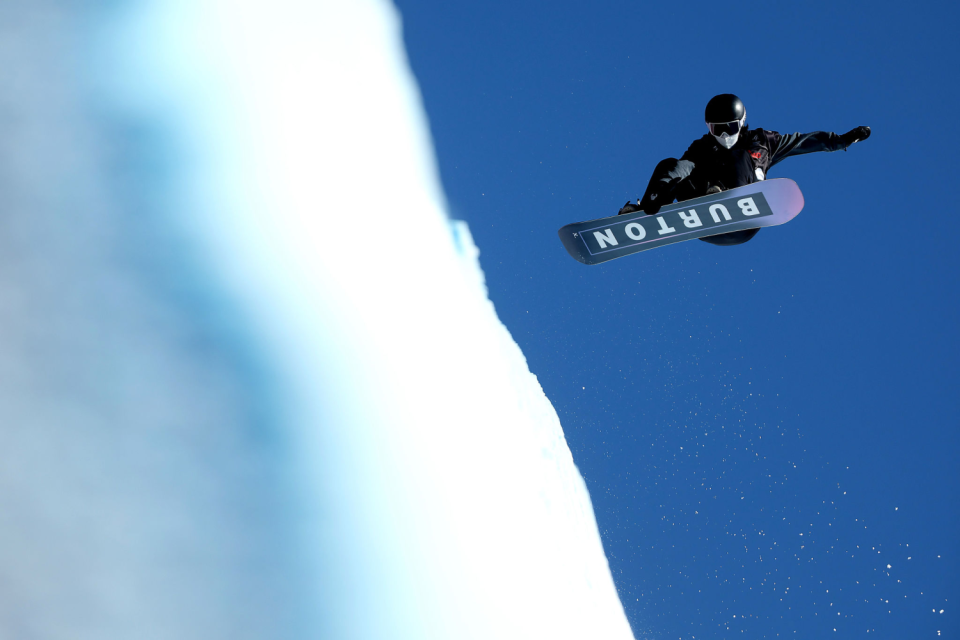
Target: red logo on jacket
[[755, 155]]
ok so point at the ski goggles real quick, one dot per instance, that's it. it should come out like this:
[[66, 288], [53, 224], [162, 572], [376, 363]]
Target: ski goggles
[[729, 128]]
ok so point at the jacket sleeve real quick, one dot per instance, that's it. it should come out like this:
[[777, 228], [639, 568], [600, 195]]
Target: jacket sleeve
[[795, 144]]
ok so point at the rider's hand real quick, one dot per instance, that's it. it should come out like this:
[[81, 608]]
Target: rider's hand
[[855, 135]]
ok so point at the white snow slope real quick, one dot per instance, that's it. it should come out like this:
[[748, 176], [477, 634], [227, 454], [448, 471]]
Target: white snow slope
[[253, 385]]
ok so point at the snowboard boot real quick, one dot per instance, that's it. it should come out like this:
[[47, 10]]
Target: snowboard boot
[[629, 208]]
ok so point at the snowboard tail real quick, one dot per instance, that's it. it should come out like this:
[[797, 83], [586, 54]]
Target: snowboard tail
[[762, 204]]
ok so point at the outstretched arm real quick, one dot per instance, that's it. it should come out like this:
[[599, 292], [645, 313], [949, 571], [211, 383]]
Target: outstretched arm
[[796, 144]]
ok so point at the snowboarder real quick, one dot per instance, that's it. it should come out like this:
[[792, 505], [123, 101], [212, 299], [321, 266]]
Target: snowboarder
[[731, 155]]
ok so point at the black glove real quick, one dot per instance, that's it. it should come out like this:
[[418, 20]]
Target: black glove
[[855, 135], [630, 207]]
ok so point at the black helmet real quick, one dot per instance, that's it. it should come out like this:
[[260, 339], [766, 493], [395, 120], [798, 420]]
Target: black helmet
[[725, 107]]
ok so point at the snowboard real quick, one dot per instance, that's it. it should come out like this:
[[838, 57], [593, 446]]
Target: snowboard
[[761, 204]]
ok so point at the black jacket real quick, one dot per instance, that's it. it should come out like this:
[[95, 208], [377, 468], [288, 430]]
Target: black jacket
[[706, 163]]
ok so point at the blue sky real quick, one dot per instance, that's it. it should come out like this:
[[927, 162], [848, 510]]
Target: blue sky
[[763, 428]]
